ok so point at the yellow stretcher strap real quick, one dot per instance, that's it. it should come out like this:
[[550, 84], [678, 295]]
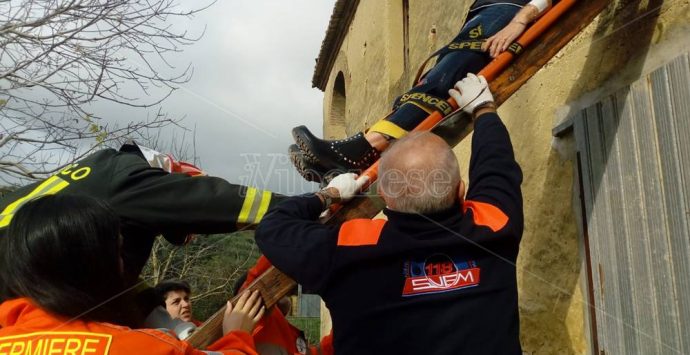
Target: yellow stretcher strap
[[388, 128]]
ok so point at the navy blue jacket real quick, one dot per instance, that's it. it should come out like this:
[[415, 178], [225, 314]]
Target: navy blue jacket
[[415, 284]]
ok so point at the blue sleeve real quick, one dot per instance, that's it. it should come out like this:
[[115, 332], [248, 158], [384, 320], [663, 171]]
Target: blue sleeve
[[296, 243], [494, 175]]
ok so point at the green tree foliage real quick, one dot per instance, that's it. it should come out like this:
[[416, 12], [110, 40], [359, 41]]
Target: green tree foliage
[[311, 326], [210, 263]]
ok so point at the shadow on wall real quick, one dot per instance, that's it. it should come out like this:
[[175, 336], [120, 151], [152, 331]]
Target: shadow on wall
[[550, 267], [336, 116], [625, 39], [622, 42]]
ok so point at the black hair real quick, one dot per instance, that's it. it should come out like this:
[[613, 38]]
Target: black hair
[[166, 286], [238, 283], [63, 252]]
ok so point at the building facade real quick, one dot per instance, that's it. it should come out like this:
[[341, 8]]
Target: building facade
[[590, 278]]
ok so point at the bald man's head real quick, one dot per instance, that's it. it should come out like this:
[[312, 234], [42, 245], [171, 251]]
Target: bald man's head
[[419, 174]]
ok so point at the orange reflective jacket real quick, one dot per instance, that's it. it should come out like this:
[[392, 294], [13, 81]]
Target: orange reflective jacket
[[274, 334], [27, 329]]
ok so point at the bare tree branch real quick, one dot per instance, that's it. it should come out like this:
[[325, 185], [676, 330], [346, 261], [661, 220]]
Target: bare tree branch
[[59, 57], [228, 256]]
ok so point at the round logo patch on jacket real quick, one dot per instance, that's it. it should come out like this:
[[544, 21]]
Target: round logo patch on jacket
[[438, 273]]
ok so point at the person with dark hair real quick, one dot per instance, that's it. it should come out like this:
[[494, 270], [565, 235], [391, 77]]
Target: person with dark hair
[[438, 275], [175, 295], [64, 287], [490, 28], [151, 194], [44, 257]]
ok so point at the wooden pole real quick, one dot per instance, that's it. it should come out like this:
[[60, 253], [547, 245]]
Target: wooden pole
[[272, 284]]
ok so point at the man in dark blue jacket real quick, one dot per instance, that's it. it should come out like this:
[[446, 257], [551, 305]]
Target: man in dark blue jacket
[[438, 277]]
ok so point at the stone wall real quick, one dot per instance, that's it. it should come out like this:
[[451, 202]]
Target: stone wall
[[630, 39]]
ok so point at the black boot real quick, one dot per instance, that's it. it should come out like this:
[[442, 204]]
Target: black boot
[[304, 167], [308, 170], [349, 154]]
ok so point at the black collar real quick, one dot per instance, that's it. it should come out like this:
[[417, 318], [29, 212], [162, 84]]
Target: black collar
[[414, 221]]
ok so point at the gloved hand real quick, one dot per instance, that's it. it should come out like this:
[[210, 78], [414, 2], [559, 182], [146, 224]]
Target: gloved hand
[[471, 93], [347, 185]]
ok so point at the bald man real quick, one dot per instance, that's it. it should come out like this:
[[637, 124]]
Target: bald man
[[437, 277]]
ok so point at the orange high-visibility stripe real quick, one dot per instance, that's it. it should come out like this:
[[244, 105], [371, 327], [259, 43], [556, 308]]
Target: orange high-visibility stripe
[[360, 232], [486, 214]]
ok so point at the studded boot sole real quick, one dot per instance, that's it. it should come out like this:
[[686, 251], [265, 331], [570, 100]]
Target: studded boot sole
[[304, 167], [350, 154]]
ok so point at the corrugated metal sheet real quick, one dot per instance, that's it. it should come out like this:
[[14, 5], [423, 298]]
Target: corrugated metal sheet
[[635, 151]]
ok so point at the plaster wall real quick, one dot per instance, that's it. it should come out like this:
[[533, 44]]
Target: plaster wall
[[371, 57], [627, 41]]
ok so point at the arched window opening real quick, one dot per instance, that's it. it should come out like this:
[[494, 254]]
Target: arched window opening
[[336, 117]]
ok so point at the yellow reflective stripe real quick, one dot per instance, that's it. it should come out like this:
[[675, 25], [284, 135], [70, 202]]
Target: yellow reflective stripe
[[55, 189], [5, 220], [11, 207], [263, 207], [51, 186], [247, 205], [388, 128]]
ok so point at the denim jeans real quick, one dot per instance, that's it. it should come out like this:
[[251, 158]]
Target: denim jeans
[[453, 65]]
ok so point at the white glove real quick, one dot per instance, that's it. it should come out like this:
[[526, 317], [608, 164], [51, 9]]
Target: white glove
[[348, 185], [471, 92]]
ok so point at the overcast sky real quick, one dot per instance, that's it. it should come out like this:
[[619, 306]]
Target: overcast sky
[[251, 85]]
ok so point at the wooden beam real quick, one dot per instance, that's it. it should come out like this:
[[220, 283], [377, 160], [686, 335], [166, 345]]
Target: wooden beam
[[272, 284]]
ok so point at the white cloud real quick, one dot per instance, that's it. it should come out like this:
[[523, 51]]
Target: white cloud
[[252, 84]]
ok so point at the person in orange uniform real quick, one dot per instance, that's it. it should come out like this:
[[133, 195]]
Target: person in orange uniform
[[274, 334], [56, 305]]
